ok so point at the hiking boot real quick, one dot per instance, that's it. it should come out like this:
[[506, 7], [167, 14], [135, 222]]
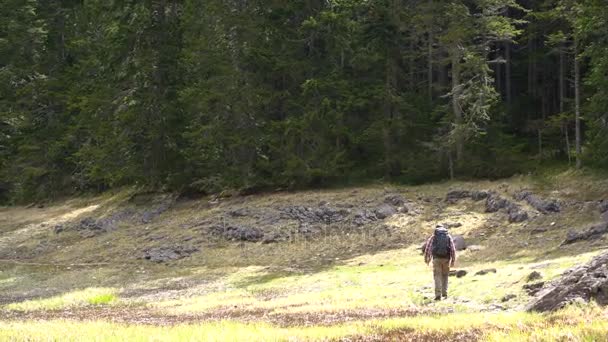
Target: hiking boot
[[437, 298], [445, 296]]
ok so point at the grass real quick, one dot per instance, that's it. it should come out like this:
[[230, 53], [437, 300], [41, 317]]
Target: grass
[[338, 274], [586, 323], [89, 296]]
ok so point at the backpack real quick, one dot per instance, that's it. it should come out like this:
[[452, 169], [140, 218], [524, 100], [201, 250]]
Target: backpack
[[441, 243]]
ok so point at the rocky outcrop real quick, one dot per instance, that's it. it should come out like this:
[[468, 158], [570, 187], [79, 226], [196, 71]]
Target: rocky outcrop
[[591, 233], [168, 253], [322, 214], [583, 283], [486, 271], [542, 205], [238, 233], [455, 195], [515, 213]]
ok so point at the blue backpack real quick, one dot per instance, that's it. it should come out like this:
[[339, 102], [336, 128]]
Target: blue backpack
[[441, 243]]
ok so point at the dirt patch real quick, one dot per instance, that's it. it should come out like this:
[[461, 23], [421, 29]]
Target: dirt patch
[[147, 316], [413, 335]]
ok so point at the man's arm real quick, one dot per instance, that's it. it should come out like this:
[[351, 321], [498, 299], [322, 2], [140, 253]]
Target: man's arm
[[427, 250], [452, 252]]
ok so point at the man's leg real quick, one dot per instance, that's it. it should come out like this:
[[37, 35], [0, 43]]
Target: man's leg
[[437, 268], [445, 273]]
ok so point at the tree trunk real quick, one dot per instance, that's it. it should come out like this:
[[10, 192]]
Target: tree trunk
[[456, 105], [562, 78], [577, 104], [430, 56], [508, 73]]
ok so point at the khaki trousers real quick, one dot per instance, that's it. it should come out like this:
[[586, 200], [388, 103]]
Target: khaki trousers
[[441, 271]]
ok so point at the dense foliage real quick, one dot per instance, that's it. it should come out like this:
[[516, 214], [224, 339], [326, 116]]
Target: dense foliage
[[207, 95]]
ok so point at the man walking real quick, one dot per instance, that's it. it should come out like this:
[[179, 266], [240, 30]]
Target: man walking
[[440, 250]]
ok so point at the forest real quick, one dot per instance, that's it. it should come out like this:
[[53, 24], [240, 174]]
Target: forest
[[202, 96]]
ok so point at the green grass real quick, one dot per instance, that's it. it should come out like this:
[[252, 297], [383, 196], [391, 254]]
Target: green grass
[[89, 296], [573, 324]]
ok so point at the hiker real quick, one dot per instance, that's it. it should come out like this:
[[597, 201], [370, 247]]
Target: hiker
[[440, 250]]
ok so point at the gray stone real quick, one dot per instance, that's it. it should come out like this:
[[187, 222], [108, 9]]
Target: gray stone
[[166, 253], [591, 233], [517, 216], [534, 276], [384, 211], [603, 206], [542, 205], [508, 298], [580, 284], [459, 242], [238, 233], [454, 195], [486, 271], [458, 273], [395, 200], [534, 288]]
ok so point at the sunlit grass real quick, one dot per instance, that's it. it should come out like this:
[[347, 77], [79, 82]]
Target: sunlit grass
[[89, 296], [573, 324]]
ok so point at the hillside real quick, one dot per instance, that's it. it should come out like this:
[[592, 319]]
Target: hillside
[[305, 265]]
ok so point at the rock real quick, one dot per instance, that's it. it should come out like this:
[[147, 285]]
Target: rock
[[324, 214], [544, 206], [384, 211], [533, 289], [479, 195], [590, 234], [603, 206], [494, 203], [508, 298], [583, 283], [455, 195], [486, 271], [395, 200], [459, 242], [271, 238], [450, 225], [238, 233], [458, 273], [59, 228], [149, 215], [534, 276], [240, 212], [475, 248], [164, 254], [363, 217], [517, 216], [538, 230]]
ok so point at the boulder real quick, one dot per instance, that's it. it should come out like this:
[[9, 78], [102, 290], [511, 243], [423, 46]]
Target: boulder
[[363, 217], [395, 200], [459, 242], [516, 216], [580, 284], [479, 195], [534, 288], [486, 271], [508, 298], [384, 211], [534, 276], [238, 233], [494, 203], [455, 195], [323, 214], [542, 205], [603, 206], [591, 233], [458, 273], [168, 253]]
